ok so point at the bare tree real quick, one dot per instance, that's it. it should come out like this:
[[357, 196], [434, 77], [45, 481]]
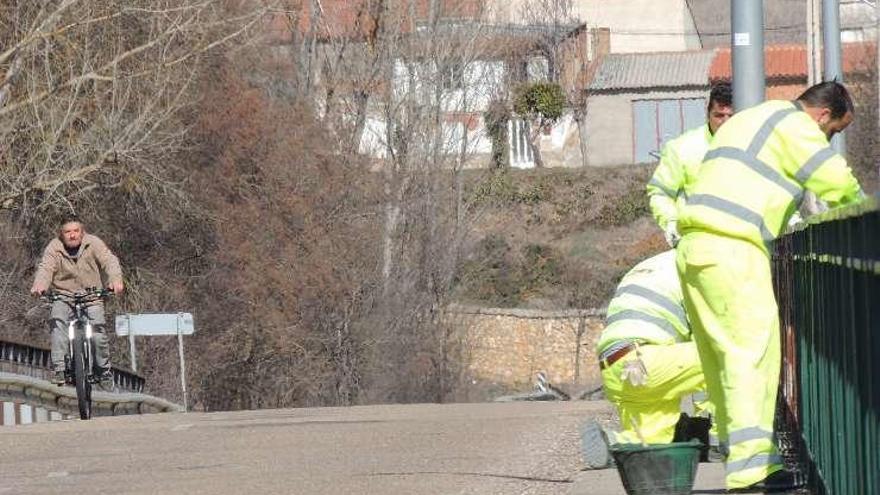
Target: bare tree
[[405, 84], [551, 21], [559, 39], [91, 92], [96, 106], [326, 211]]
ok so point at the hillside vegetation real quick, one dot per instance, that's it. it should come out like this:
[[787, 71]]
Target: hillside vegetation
[[556, 238], [218, 149]]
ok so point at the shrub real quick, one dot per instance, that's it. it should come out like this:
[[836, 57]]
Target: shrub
[[542, 101], [631, 205], [497, 116]]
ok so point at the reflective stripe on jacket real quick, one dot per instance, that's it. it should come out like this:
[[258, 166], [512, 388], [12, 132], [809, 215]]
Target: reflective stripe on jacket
[[755, 173], [679, 161], [647, 306]]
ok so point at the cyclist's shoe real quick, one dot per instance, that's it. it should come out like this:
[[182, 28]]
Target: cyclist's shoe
[[58, 378], [105, 381]]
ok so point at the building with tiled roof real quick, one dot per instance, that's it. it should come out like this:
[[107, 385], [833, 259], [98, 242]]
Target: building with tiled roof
[[637, 101], [785, 67]]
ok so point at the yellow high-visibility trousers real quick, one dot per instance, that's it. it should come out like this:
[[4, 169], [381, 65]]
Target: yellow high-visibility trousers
[[728, 295], [673, 371]]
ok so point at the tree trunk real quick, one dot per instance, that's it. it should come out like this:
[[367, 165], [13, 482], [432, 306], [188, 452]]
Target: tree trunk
[[361, 100], [534, 144], [580, 119]]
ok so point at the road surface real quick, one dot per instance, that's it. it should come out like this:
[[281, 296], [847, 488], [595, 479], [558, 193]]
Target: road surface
[[492, 448]]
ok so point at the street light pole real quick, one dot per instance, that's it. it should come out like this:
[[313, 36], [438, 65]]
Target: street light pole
[[814, 42], [747, 22], [831, 55]]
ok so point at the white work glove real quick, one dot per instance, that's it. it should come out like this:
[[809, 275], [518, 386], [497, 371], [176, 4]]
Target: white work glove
[[634, 372], [795, 219], [671, 233]]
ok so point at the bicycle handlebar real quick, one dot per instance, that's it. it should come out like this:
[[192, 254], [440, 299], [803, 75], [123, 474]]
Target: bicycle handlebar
[[89, 295]]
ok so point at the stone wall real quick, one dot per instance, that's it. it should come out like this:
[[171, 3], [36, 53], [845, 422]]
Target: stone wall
[[504, 349]]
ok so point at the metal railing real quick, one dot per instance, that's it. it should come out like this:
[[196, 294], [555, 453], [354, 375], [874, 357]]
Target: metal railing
[[827, 281], [18, 390], [34, 361]]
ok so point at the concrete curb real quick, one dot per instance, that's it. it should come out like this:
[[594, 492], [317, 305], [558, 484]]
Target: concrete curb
[[42, 393]]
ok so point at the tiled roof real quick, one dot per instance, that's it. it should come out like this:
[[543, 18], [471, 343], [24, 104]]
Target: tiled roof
[[651, 70], [790, 61]]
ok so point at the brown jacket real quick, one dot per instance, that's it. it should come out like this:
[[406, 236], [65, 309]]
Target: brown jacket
[[59, 271]]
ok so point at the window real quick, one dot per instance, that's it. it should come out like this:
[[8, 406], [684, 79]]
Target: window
[[538, 69]]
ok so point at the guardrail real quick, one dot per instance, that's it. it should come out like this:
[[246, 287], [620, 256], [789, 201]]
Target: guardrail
[[35, 361], [827, 278], [37, 392], [24, 386]]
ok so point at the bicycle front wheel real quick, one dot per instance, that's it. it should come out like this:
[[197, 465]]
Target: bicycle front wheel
[[81, 366]]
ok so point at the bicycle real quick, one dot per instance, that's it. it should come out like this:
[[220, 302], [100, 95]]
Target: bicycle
[[78, 362]]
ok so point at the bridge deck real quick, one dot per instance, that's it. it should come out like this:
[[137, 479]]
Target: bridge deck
[[510, 448]]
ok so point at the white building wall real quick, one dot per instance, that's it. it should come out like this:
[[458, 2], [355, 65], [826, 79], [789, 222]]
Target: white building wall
[[636, 25], [374, 138], [609, 130], [642, 25], [481, 82]]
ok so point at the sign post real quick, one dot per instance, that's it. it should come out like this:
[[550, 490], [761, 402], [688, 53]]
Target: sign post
[[179, 324], [182, 362], [133, 352]]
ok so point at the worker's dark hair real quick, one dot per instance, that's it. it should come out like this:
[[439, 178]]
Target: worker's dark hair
[[829, 94], [722, 94], [67, 218]]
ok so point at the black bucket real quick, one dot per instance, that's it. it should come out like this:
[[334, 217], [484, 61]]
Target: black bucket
[[657, 469]]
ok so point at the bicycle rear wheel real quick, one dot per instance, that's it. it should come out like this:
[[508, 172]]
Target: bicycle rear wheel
[[81, 366]]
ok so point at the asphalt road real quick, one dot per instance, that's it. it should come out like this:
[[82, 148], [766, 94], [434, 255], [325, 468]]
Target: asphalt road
[[494, 448]]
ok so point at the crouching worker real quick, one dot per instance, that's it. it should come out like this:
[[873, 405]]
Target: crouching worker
[[648, 360]]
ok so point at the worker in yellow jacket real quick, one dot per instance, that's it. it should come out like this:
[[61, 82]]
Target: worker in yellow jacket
[[680, 159], [758, 167], [646, 354]]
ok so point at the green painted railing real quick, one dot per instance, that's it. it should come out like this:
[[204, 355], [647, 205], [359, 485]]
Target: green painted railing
[[827, 278]]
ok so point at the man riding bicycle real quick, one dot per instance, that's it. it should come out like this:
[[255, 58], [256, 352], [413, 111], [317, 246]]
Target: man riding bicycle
[[71, 263]]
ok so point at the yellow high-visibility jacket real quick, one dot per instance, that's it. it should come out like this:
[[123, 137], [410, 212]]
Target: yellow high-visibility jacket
[[755, 173], [671, 183], [648, 305]]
